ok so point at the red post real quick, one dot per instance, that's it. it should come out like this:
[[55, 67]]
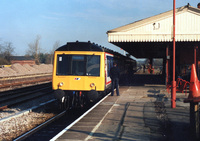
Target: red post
[[197, 60], [173, 90], [195, 56]]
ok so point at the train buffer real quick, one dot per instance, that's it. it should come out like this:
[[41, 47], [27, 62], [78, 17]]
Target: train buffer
[[139, 113]]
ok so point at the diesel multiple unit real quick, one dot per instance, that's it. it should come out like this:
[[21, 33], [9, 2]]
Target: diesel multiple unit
[[81, 72]]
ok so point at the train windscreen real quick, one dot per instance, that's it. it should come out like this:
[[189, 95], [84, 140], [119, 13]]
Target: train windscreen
[[82, 65]]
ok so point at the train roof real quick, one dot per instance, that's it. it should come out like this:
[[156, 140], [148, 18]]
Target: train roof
[[80, 46], [88, 46]]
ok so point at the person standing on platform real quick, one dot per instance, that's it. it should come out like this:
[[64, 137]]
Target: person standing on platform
[[114, 75]]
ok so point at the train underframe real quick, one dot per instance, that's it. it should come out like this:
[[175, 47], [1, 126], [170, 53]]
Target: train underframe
[[77, 99]]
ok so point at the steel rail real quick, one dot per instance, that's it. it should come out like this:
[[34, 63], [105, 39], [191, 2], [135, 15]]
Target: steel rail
[[20, 90], [27, 97], [25, 135], [77, 120], [19, 82], [26, 111], [25, 76]]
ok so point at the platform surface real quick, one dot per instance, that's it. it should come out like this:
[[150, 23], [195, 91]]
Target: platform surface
[[148, 117]]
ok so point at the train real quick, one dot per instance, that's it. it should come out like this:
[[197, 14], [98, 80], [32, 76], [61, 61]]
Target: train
[[81, 72]]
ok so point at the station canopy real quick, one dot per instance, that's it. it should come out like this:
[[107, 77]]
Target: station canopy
[[149, 37]]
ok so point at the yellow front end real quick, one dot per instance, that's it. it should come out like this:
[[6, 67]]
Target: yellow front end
[[79, 82]]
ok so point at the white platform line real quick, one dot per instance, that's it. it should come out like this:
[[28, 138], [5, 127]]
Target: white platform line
[[72, 124]]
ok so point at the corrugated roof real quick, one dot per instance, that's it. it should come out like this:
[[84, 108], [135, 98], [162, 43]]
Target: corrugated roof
[[158, 28]]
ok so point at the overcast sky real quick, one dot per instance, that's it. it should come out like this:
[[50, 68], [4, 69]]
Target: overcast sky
[[71, 20]]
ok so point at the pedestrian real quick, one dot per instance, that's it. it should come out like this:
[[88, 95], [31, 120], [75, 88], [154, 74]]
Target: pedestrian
[[114, 75]]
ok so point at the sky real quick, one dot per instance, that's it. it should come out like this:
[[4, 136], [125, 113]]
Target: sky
[[71, 20]]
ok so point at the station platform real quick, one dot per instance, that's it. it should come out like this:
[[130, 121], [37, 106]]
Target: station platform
[[139, 113]]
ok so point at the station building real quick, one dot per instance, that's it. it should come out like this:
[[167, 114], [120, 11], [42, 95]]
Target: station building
[[153, 38]]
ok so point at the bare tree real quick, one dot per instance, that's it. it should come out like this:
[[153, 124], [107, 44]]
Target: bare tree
[[55, 46], [1, 47], [6, 51], [34, 49]]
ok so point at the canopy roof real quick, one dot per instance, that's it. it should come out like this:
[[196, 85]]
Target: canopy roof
[[159, 28], [149, 37]]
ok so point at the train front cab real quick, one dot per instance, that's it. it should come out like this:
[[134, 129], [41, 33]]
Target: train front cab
[[80, 73]]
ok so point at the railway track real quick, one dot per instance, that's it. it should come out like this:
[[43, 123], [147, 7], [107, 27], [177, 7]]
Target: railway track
[[43, 118], [32, 131], [57, 124], [25, 108], [14, 97], [17, 81], [28, 118]]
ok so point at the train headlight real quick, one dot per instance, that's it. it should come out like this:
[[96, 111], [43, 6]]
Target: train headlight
[[60, 84], [92, 85]]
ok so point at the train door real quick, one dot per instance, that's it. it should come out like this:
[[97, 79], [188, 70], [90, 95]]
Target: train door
[[109, 64]]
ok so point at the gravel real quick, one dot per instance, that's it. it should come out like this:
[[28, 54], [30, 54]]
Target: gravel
[[17, 69], [12, 128], [18, 108], [19, 125]]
